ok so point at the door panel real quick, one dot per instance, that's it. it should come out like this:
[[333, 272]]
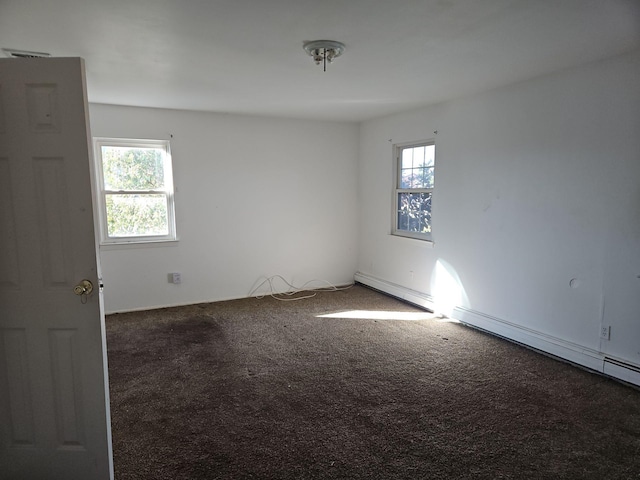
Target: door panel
[[54, 418], [9, 277], [13, 352], [53, 221]]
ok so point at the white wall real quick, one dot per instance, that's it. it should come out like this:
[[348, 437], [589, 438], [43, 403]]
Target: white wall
[[255, 197], [536, 184]]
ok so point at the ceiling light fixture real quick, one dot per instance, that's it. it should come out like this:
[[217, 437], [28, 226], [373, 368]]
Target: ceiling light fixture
[[323, 51]]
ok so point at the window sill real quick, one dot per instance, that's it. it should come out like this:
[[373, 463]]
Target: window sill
[[428, 243], [139, 244]]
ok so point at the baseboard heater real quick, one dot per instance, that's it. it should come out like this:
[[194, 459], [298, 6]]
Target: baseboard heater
[[622, 370]]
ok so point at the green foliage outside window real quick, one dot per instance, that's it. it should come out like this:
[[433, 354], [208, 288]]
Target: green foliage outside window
[[414, 189], [136, 215], [131, 169], [414, 214], [131, 178]]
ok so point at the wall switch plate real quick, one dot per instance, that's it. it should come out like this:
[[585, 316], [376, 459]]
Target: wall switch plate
[[175, 277], [605, 332]]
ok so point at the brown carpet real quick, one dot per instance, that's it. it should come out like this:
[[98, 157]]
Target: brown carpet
[[268, 390]]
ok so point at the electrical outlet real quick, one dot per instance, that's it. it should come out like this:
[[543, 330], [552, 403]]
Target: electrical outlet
[[175, 277], [605, 332]]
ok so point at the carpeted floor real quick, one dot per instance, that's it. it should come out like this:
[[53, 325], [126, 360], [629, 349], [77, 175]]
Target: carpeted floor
[[265, 389]]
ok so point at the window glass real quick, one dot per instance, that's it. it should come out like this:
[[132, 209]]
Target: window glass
[[127, 168], [136, 215], [414, 190], [136, 190], [414, 213], [417, 167]]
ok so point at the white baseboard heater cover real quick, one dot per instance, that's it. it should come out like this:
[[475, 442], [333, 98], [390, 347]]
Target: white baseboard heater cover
[[622, 370]]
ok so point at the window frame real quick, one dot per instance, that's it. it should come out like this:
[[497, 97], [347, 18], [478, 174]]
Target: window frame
[[397, 190], [102, 192]]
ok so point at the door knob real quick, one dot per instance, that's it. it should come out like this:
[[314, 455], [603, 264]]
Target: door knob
[[85, 287]]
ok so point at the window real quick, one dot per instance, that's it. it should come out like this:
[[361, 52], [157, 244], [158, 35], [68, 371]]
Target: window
[[415, 164], [135, 188]]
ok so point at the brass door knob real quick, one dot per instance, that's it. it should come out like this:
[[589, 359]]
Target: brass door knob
[[85, 287]]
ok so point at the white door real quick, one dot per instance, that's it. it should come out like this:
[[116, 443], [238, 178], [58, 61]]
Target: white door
[[54, 415]]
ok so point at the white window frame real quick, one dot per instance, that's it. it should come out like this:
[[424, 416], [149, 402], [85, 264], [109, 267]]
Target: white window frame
[[102, 192], [397, 161]]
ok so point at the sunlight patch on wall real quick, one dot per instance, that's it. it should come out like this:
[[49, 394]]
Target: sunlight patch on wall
[[447, 289]]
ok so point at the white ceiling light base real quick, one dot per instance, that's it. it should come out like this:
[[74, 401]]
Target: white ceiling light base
[[323, 51]]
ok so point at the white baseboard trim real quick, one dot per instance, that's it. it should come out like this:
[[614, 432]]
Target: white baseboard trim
[[423, 300], [208, 300], [548, 344], [169, 305]]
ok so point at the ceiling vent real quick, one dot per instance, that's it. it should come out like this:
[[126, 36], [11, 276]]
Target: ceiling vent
[[12, 53]]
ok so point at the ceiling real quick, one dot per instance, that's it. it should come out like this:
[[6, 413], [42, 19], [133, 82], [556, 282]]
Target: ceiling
[[246, 56]]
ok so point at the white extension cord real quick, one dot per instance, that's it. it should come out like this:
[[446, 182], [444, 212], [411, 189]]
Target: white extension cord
[[308, 292]]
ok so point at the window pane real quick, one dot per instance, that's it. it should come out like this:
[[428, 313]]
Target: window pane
[[414, 212], [413, 157], [417, 178], [128, 168], [430, 155], [406, 178], [424, 177], [136, 215], [418, 156], [407, 158], [417, 167]]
